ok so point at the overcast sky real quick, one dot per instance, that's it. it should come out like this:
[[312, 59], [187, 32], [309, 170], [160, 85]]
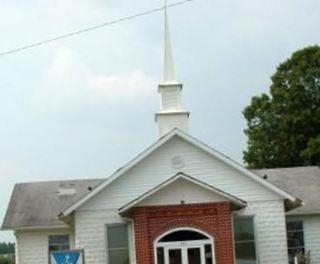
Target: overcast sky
[[82, 107]]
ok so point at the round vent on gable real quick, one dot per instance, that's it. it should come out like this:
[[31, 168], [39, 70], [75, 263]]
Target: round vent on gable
[[177, 162]]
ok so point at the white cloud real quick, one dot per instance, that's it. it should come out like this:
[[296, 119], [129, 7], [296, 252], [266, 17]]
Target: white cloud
[[124, 87], [69, 83]]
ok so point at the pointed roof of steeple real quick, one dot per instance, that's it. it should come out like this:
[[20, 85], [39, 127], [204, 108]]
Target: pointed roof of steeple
[[169, 71]]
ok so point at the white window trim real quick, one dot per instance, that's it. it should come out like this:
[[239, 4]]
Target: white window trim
[[55, 235], [255, 232], [131, 261], [48, 244], [196, 243], [302, 230]]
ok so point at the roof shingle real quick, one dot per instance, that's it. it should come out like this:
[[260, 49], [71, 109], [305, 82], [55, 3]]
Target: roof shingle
[[302, 182], [38, 204]]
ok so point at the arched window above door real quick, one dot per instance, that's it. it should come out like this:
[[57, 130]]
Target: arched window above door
[[184, 246], [183, 235]]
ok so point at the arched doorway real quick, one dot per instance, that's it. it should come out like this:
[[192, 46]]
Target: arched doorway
[[184, 246]]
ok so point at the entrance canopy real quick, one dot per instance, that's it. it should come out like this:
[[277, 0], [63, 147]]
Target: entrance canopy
[[182, 189]]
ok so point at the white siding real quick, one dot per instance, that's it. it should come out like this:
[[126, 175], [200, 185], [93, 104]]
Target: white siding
[[311, 226], [182, 190], [157, 167], [90, 219], [270, 231], [168, 121], [90, 233], [32, 246]]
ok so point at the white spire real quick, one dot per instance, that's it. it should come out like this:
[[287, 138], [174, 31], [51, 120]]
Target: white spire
[[172, 114], [169, 72]]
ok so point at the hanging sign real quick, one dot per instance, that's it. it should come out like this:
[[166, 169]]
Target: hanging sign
[[67, 257]]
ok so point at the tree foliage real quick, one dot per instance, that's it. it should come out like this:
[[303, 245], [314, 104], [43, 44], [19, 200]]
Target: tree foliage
[[6, 253], [6, 248], [6, 260], [283, 128]]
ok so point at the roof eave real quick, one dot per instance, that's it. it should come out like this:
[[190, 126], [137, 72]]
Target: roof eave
[[290, 205], [302, 213], [20, 228]]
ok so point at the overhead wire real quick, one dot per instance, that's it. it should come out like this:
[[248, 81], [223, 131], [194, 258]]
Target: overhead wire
[[88, 29]]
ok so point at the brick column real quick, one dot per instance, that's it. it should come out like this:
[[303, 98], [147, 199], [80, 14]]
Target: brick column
[[142, 240]]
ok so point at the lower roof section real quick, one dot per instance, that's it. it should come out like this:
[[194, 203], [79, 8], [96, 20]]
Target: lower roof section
[[37, 204], [302, 182], [182, 189]]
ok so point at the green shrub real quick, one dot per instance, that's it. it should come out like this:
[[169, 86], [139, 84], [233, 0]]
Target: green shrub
[[5, 260]]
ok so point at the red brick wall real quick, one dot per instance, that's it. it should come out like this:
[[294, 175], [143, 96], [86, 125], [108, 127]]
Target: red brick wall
[[213, 218]]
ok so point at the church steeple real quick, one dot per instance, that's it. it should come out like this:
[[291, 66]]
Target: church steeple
[[171, 115], [168, 72]]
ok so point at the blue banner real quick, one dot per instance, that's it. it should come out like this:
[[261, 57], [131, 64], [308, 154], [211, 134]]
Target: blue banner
[[67, 257]]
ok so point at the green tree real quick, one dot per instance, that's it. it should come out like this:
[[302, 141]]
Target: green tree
[[6, 248], [283, 128], [5, 260]]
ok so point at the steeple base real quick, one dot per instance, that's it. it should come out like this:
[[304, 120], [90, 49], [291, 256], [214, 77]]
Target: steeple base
[[167, 121]]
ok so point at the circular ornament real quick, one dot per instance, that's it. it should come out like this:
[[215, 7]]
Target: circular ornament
[[177, 162]]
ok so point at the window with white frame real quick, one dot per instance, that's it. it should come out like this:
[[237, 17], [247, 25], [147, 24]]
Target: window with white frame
[[244, 240], [59, 243], [295, 239], [184, 245], [117, 242]]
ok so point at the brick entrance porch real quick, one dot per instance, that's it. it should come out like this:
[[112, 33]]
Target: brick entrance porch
[[215, 219]]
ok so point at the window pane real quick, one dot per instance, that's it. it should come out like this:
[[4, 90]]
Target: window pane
[[245, 253], [119, 256], [54, 248], [117, 236], [183, 235], [160, 255], [295, 239], [194, 256], [243, 229], [175, 256], [244, 241], [297, 225], [208, 254], [59, 243]]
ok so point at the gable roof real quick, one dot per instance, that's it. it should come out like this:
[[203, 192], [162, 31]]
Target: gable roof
[[303, 182], [37, 204], [177, 132], [237, 202]]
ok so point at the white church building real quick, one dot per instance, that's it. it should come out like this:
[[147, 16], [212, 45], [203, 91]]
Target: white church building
[[178, 202]]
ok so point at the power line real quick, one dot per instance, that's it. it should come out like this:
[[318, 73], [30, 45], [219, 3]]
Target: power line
[[87, 29]]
